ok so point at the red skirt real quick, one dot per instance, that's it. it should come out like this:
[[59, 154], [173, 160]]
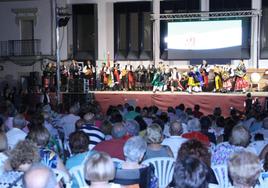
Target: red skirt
[[241, 84]]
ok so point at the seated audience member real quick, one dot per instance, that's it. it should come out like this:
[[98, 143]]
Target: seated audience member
[[94, 133], [131, 114], [175, 140], [132, 127], [196, 112], [131, 172], [205, 124], [106, 127], [68, 121], [119, 135], [244, 169], [99, 170], [191, 173], [199, 150], [23, 155], [40, 176], [194, 131], [154, 137], [3, 151], [264, 129], [239, 140], [48, 157], [78, 142], [15, 134]]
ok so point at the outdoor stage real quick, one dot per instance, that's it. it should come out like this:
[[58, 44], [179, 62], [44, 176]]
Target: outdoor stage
[[207, 100]]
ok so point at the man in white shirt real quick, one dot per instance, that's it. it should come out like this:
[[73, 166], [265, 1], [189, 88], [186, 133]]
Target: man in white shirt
[[175, 140], [15, 134]]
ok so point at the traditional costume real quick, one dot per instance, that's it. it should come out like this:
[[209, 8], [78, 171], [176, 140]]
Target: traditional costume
[[130, 77], [241, 84], [150, 76], [158, 81], [204, 70], [218, 79], [141, 77]]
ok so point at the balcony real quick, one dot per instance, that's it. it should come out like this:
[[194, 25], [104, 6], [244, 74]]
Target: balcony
[[18, 48]]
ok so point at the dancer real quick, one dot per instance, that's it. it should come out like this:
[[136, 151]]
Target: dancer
[[227, 77], [116, 73], [88, 72], [158, 81], [241, 84], [130, 77], [123, 77], [218, 78], [166, 76], [193, 82], [64, 74], [175, 80], [150, 76], [141, 77], [204, 70]]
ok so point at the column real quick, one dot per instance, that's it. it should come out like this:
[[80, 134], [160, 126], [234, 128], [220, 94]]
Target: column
[[204, 5], [255, 38], [156, 31]]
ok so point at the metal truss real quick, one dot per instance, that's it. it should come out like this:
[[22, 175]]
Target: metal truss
[[206, 15]]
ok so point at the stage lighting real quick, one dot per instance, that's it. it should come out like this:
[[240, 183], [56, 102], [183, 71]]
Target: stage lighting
[[62, 22]]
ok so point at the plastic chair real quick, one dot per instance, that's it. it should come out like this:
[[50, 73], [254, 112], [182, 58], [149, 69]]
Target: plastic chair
[[221, 173], [164, 169], [77, 173]]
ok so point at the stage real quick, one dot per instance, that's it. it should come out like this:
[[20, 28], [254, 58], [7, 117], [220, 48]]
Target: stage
[[207, 100]]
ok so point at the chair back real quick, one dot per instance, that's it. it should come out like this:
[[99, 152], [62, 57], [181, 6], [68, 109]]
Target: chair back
[[77, 173], [221, 173], [164, 169]]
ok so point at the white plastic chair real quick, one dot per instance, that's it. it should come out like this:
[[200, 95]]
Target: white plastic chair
[[77, 173], [163, 169], [221, 173]]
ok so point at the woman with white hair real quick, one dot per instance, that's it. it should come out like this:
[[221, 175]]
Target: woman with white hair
[[244, 169], [154, 138], [131, 172], [99, 170], [238, 141]]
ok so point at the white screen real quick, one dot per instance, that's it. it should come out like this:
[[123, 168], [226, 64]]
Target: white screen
[[204, 35]]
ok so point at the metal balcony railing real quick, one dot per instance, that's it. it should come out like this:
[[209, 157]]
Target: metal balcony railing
[[20, 48]]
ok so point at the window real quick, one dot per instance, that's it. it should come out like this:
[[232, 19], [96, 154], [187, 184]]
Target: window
[[84, 31], [264, 31], [133, 31], [228, 5]]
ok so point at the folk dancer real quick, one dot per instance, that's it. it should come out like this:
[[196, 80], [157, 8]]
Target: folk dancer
[[166, 75], [151, 70], [130, 77], [89, 74], [175, 80], [141, 74], [74, 70], [123, 78], [116, 73], [204, 70], [218, 78], [158, 81], [104, 76], [227, 77], [64, 76], [193, 82], [240, 82]]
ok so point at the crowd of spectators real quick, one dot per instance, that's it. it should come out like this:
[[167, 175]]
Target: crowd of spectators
[[44, 139]]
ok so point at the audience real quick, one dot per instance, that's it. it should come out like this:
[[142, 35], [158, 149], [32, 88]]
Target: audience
[[184, 134], [191, 173], [94, 133], [244, 169], [99, 170], [239, 140], [131, 172], [175, 140], [15, 134], [40, 176], [119, 134], [154, 137]]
